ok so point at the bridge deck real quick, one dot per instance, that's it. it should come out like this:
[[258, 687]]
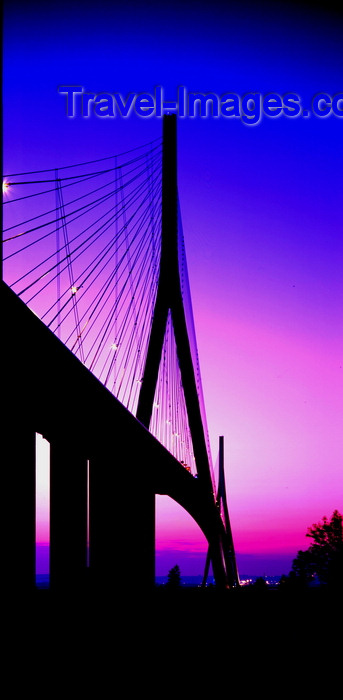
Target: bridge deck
[[47, 390]]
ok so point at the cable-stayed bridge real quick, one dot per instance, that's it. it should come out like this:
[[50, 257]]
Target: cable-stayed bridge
[[100, 352]]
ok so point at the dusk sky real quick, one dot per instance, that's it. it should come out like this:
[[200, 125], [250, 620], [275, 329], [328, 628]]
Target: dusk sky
[[262, 219]]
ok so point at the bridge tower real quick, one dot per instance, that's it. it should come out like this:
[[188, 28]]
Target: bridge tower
[[229, 550], [169, 299]]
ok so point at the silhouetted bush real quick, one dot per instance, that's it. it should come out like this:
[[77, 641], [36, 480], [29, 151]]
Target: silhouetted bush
[[322, 562], [174, 577]]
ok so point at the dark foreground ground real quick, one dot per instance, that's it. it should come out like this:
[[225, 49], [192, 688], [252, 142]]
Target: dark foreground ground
[[186, 643], [166, 609]]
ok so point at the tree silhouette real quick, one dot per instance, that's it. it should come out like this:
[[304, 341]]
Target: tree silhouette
[[174, 577], [260, 584], [324, 558]]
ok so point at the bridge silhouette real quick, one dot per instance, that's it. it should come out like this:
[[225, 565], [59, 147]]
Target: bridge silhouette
[[100, 355]]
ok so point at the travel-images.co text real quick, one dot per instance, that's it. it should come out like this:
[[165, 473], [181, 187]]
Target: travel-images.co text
[[249, 108]]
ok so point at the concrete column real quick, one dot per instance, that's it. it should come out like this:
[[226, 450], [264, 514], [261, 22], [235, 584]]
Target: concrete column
[[18, 484], [122, 523]]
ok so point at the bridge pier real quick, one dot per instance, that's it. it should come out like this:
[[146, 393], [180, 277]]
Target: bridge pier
[[121, 521], [19, 501]]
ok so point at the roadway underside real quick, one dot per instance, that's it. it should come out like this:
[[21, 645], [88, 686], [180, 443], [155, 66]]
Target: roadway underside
[[47, 390]]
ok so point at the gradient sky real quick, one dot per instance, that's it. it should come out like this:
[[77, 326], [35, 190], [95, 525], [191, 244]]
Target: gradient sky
[[262, 219]]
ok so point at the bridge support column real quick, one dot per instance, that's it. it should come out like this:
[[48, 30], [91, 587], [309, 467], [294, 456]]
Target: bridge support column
[[18, 483], [122, 523], [68, 516]]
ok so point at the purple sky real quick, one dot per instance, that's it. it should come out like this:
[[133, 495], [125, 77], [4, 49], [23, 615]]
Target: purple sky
[[262, 219]]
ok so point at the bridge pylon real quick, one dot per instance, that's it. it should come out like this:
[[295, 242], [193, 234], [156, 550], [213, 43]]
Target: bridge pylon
[[169, 299], [229, 550]]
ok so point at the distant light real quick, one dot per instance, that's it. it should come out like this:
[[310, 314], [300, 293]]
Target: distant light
[[5, 187], [74, 289], [156, 405], [114, 346]]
